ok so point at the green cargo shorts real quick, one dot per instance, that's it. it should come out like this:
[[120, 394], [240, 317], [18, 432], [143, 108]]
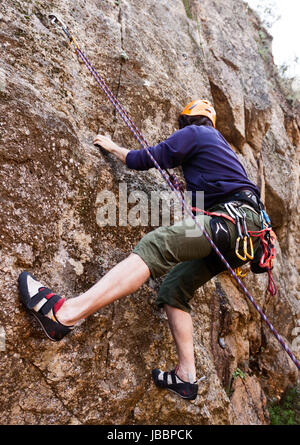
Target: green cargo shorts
[[187, 257]]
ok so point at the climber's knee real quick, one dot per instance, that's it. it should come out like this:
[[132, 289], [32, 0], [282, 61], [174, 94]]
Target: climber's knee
[[176, 299], [180, 284]]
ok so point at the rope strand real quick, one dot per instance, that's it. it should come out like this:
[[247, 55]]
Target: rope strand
[[123, 113]]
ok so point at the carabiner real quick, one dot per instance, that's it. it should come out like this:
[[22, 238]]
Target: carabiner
[[233, 211], [56, 21], [266, 218], [244, 224], [237, 245], [251, 254], [239, 273]]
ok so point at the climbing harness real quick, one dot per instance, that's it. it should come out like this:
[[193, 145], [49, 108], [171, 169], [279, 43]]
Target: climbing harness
[[263, 259], [220, 234], [173, 184], [223, 215]]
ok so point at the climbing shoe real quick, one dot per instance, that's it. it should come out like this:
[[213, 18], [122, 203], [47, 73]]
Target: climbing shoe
[[171, 381], [43, 304]]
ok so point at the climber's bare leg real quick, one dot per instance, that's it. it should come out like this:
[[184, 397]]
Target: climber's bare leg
[[181, 326], [123, 279]]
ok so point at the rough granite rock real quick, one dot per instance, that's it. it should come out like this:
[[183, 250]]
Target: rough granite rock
[[155, 56]]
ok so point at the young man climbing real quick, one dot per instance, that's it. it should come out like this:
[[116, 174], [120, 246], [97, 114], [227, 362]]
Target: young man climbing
[[210, 165]]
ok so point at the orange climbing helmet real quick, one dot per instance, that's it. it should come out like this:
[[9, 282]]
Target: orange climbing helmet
[[200, 107]]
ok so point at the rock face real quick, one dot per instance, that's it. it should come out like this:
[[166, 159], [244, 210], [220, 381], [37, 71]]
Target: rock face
[[155, 56]]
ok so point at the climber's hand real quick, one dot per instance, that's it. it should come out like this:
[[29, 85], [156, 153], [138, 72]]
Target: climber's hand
[[106, 143]]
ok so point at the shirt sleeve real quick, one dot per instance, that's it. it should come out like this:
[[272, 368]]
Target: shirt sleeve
[[170, 153]]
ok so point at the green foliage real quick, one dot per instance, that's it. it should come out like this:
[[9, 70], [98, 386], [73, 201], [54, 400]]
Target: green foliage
[[124, 56], [238, 373], [289, 83], [287, 411], [290, 86], [187, 8], [263, 52], [263, 47]]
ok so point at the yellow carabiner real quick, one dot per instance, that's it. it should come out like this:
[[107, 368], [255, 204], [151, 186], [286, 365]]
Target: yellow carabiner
[[72, 40], [237, 245], [239, 272], [251, 254]]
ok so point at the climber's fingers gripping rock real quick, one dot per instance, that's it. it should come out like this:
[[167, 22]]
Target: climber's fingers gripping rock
[[110, 146], [105, 142]]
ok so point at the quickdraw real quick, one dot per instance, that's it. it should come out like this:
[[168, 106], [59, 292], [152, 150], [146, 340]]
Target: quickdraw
[[266, 262], [56, 21], [144, 144], [239, 217]]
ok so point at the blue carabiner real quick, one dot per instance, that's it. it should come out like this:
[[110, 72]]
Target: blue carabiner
[[266, 218]]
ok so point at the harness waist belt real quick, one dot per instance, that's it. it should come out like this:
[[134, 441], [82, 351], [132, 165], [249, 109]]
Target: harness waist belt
[[246, 196]]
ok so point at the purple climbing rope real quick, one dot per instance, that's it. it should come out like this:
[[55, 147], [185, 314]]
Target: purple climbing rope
[[173, 185], [124, 115]]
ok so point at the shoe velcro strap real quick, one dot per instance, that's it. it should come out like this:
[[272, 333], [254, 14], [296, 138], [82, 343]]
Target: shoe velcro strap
[[49, 305], [38, 297], [173, 376], [165, 375]]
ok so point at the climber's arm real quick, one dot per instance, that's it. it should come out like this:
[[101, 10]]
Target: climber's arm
[[170, 153], [110, 146]]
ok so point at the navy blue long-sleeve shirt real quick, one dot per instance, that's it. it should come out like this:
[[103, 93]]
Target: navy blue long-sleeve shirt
[[208, 162]]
